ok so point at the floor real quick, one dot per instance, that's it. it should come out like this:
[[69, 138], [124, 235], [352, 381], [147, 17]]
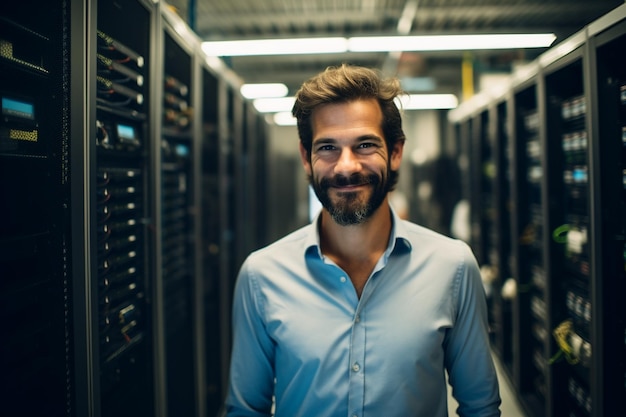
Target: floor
[[510, 406]]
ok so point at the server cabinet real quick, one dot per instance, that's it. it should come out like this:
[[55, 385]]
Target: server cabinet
[[481, 199], [531, 306], [105, 240], [608, 156], [500, 255], [465, 132], [178, 220], [569, 227], [485, 135], [35, 227], [565, 117], [215, 309], [254, 199], [245, 193], [250, 182], [258, 182], [229, 142], [480, 185], [123, 239]]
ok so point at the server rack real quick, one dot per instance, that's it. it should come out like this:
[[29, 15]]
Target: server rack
[[500, 250], [532, 375], [229, 142], [563, 117], [570, 232], [481, 186], [254, 180], [119, 236], [609, 215], [215, 368], [35, 228], [202, 393], [178, 221], [490, 197], [258, 173], [123, 238]]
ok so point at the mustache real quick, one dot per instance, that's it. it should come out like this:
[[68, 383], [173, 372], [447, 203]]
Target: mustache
[[354, 179]]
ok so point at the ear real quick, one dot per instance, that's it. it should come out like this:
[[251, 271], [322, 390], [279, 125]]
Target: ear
[[396, 155], [306, 159]]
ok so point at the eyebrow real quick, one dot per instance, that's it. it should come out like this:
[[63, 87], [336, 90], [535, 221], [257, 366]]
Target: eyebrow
[[363, 138]]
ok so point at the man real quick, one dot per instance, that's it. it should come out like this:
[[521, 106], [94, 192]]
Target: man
[[359, 313]]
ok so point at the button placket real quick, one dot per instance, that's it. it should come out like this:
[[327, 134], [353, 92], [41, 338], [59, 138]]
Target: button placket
[[356, 393]]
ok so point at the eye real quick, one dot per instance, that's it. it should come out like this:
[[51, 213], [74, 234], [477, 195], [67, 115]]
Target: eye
[[325, 148], [367, 147]]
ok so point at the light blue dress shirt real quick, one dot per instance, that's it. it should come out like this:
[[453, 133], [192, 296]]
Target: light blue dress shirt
[[303, 337]]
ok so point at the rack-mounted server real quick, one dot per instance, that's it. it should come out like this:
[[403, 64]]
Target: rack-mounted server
[[570, 230], [123, 210], [500, 250], [177, 227], [35, 260], [530, 272]]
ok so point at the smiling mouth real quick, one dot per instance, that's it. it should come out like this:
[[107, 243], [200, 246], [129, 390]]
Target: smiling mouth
[[352, 184], [349, 187]]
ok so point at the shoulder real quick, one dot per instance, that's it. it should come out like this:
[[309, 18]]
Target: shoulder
[[424, 239], [269, 273], [450, 260]]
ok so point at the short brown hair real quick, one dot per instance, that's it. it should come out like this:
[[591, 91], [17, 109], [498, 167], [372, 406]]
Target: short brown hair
[[343, 84]]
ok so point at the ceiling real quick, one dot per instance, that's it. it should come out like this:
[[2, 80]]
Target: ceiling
[[254, 19]]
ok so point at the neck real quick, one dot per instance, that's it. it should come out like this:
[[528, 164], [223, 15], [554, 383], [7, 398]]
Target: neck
[[356, 242]]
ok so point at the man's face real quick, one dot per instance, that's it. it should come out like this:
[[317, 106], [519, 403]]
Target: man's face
[[349, 164]]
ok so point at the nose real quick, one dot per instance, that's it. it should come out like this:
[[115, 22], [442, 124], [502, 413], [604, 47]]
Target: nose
[[347, 163]]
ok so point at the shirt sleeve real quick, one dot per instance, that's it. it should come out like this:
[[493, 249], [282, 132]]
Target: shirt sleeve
[[251, 381], [469, 362]]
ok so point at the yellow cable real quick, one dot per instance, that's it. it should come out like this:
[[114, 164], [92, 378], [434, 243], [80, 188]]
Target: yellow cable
[[467, 76], [561, 335]]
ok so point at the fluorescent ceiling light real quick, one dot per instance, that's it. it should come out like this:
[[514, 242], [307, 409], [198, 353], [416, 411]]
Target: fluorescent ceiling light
[[407, 102], [418, 83], [274, 105], [412, 102], [428, 101], [377, 44], [284, 118], [449, 42], [276, 46], [251, 91]]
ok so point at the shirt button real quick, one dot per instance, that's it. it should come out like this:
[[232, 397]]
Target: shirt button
[[343, 279], [356, 367], [357, 318]]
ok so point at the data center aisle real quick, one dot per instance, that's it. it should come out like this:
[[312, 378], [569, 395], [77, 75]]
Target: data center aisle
[[510, 406]]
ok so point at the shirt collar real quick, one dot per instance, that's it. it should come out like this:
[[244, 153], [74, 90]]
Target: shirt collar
[[398, 243]]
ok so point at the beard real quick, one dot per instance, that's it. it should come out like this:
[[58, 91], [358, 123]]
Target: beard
[[351, 207]]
